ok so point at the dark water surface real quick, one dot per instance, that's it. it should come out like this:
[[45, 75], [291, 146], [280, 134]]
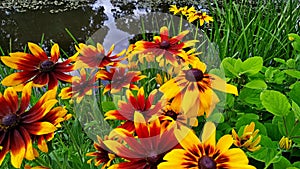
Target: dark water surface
[[20, 25]]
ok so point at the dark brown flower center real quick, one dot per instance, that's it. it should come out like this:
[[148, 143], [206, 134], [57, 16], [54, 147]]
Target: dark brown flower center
[[46, 66], [206, 163], [9, 120], [171, 114], [153, 159], [164, 44], [194, 75]]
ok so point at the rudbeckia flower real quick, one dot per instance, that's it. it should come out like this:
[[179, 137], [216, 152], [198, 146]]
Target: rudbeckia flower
[[140, 103], [18, 124], [55, 117], [249, 139], [81, 86], [95, 57], [182, 10], [119, 78], [201, 16], [102, 155], [165, 47], [173, 112], [194, 88], [38, 67], [145, 150], [205, 153]]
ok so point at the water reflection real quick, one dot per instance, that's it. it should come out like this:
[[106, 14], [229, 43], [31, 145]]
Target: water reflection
[[29, 24], [19, 28]]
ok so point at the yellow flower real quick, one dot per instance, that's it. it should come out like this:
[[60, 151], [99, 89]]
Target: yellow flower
[[249, 139], [195, 87], [285, 143], [205, 153], [202, 16], [175, 10]]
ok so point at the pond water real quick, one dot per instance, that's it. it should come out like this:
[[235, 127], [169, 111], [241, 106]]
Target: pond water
[[22, 23]]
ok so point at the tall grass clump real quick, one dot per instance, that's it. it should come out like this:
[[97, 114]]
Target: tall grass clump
[[245, 28]]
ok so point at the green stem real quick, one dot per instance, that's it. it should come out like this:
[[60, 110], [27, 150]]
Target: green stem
[[180, 24], [273, 159], [285, 127]]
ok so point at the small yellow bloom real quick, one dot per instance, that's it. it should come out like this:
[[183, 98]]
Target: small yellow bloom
[[285, 143], [175, 10], [249, 139], [202, 16]]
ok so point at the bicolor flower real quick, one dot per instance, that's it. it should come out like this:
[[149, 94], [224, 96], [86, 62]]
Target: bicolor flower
[[140, 103], [205, 153], [145, 150], [119, 78], [194, 87], [201, 16], [19, 123], [164, 48], [38, 67], [95, 57], [81, 86], [103, 155]]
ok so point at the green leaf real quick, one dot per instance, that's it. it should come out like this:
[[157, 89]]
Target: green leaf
[[268, 152], [250, 96], [273, 131], [279, 60], [296, 164], [294, 93], [283, 163], [106, 106], [228, 66], [296, 109], [252, 65], [293, 73], [256, 84], [216, 117], [291, 63], [275, 102], [277, 121]]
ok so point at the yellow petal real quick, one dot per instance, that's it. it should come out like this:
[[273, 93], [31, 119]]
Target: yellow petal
[[209, 134], [220, 84], [224, 143]]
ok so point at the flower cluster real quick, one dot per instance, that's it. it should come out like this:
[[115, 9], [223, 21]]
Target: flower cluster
[[167, 89], [191, 14]]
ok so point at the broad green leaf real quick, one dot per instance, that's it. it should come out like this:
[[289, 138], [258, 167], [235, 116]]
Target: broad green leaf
[[285, 124], [296, 133], [256, 84], [296, 164], [106, 106], [273, 131], [228, 66], [296, 110], [250, 96], [252, 65], [283, 163], [293, 73], [278, 121], [275, 102], [268, 152], [291, 63], [238, 65], [294, 93]]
